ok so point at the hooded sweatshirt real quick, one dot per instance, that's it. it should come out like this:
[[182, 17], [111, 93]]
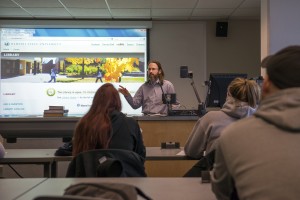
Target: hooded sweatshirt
[[208, 128], [259, 155]]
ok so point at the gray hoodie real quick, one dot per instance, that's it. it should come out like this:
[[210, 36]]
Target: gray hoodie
[[259, 155], [209, 127]]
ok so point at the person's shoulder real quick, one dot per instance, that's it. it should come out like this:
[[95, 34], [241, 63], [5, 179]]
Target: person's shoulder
[[132, 123], [167, 81], [240, 127], [214, 114], [131, 120], [145, 84]]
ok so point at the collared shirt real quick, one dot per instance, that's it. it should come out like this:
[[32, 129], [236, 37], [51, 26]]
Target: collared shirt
[[149, 96]]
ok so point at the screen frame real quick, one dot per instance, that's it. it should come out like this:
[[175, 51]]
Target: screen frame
[[128, 26]]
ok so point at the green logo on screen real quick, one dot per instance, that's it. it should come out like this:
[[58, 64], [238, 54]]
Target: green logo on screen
[[51, 92]]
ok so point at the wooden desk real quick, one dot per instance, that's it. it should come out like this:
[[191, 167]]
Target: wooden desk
[[37, 127], [13, 188], [43, 157], [166, 162], [156, 188], [159, 162], [155, 129]]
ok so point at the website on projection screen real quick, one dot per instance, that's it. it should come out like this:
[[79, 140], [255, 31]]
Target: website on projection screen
[[65, 67]]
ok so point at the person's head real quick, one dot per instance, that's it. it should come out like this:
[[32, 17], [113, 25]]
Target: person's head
[[282, 70], [106, 100], [155, 71], [245, 90], [94, 128]]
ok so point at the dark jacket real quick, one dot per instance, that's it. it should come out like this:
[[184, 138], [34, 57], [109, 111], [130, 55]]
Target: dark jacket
[[126, 134], [126, 146]]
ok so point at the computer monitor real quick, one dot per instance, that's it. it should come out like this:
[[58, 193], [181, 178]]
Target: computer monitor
[[217, 88], [169, 98]]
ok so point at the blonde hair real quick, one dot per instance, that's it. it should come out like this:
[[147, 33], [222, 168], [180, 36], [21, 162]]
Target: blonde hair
[[245, 90]]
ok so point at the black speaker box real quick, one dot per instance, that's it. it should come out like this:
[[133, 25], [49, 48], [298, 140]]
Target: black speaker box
[[221, 29], [184, 72]]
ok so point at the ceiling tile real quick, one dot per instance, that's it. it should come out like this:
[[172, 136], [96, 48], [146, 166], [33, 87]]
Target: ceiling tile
[[129, 3], [7, 3], [251, 4], [48, 12], [89, 12], [247, 12], [212, 12], [130, 12], [84, 3], [171, 12], [39, 3], [13, 12], [218, 3], [174, 3], [131, 9]]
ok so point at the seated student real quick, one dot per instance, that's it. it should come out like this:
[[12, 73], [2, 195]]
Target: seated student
[[258, 157], [104, 126], [242, 99]]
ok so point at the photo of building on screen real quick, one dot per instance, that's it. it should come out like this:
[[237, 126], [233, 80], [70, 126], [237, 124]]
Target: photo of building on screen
[[72, 69]]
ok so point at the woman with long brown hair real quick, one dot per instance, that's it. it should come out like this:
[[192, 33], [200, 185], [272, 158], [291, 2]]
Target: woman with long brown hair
[[104, 126]]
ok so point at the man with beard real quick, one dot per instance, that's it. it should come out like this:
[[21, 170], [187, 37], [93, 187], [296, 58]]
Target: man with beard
[[149, 95]]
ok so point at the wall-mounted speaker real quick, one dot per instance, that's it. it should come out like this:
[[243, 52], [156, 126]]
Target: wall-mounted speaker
[[184, 72], [221, 29]]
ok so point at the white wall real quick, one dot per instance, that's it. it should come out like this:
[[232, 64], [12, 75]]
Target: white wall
[[284, 24], [177, 44], [237, 53], [195, 45]]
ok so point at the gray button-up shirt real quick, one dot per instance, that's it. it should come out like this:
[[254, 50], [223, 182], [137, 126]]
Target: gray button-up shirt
[[149, 96]]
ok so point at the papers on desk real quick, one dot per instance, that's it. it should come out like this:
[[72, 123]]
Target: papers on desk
[[181, 153]]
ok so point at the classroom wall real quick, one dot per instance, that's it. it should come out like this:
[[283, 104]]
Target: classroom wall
[[191, 43], [237, 53], [194, 44], [176, 44], [284, 26]]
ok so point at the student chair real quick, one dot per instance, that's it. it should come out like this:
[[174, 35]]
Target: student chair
[[107, 163]]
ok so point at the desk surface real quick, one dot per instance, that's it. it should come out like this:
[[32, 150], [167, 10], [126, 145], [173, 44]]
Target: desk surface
[[59, 127], [18, 156], [12, 188], [76, 118], [156, 188], [15, 156]]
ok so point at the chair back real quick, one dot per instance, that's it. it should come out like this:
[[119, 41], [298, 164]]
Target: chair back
[[107, 163]]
